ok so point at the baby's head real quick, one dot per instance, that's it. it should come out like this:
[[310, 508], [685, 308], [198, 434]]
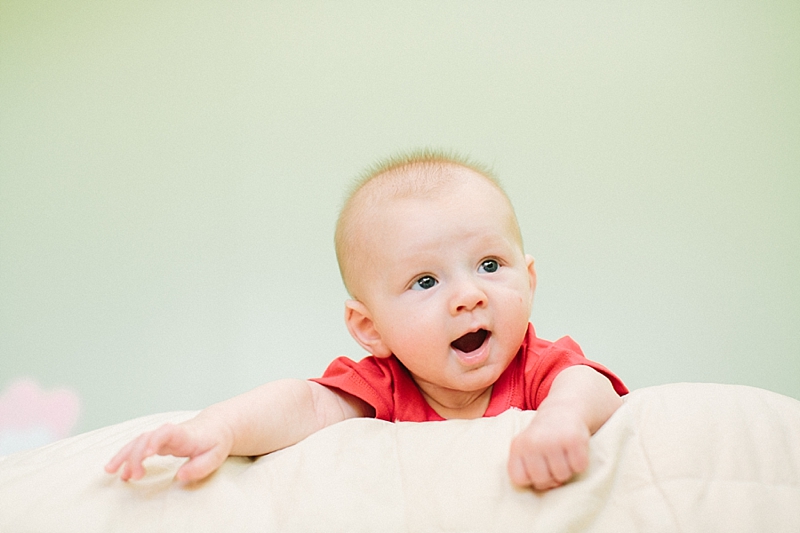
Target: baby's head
[[423, 174], [431, 253]]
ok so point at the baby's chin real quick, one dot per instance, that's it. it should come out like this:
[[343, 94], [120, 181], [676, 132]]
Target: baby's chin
[[480, 377]]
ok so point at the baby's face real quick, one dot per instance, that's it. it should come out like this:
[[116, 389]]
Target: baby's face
[[447, 285]]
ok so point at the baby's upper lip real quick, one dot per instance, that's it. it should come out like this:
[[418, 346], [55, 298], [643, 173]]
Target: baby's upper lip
[[474, 328]]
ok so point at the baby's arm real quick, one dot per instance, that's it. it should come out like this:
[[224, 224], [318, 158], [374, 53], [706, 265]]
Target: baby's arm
[[268, 418], [555, 446]]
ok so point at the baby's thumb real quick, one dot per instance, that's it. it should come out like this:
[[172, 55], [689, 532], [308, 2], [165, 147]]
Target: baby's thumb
[[201, 466]]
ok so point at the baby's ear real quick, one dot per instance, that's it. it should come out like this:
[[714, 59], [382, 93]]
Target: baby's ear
[[362, 328], [531, 271]]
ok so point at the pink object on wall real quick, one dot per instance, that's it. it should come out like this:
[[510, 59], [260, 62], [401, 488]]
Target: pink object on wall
[[32, 417]]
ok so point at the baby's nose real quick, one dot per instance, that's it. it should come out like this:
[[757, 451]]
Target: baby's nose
[[467, 297]]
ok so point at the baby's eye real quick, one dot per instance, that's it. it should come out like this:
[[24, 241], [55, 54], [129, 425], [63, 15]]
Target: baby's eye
[[424, 283], [490, 265]]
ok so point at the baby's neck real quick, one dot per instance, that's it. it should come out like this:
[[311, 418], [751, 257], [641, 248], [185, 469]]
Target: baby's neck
[[469, 408]]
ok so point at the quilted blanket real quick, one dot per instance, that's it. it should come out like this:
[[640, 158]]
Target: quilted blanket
[[679, 457]]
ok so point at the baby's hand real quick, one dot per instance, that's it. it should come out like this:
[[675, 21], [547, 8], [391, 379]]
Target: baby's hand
[[552, 449], [205, 441]]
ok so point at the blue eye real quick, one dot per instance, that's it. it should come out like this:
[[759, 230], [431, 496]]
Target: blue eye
[[424, 283], [490, 265]]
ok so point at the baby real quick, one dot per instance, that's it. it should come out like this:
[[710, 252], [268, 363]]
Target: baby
[[431, 254]]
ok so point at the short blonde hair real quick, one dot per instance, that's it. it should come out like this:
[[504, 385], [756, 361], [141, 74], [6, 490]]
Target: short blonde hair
[[417, 173]]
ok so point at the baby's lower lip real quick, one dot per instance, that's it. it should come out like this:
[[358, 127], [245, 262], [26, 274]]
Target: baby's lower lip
[[474, 357]]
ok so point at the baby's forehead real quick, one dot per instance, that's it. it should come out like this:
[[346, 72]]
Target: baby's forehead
[[421, 183]]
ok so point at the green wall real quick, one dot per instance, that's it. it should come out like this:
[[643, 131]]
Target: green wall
[[170, 173]]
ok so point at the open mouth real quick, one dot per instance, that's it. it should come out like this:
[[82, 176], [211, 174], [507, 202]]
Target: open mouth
[[471, 341]]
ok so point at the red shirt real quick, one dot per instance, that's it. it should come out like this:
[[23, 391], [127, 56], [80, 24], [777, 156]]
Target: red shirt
[[386, 385]]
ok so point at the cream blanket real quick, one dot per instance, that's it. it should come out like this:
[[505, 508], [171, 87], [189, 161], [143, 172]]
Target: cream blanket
[[682, 457]]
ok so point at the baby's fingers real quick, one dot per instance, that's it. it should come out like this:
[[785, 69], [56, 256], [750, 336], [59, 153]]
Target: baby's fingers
[[139, 451], [578, 457], [532, 470], [559, 468], [124, 457], [135, 452], [113, 465]]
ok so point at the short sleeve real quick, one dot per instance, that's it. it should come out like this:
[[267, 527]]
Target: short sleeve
[[383, 383], [547, 360], [367, 380]]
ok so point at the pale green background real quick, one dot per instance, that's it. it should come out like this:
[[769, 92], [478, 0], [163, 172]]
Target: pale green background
[[170, 173]]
